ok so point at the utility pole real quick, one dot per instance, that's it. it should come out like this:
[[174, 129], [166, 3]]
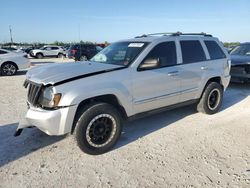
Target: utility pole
[[11, 39]]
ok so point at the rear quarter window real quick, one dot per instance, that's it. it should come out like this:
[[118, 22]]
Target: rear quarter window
[[192, 51], [214, 50]]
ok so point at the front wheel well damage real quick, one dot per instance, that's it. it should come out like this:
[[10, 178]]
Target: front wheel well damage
[[109, 98]]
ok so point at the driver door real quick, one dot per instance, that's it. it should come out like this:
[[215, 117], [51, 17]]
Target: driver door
[[158, 86], [47, 51]]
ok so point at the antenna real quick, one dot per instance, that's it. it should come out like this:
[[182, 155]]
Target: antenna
[[11, 39]]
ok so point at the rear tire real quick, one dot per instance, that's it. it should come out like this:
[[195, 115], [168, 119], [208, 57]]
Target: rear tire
[[97, 128], [60, 55], [211, 99], [8, 69]]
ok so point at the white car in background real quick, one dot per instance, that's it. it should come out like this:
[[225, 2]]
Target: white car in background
[[11, 62], [48, 51]]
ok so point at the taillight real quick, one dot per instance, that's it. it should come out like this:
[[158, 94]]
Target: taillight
[[73, 52], [229, 63]]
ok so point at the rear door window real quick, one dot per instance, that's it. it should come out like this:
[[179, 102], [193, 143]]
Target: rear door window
[[54, 48], [192, 51], [214, 50]]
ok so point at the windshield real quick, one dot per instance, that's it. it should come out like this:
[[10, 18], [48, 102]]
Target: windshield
[[241, 50], [120, 53]]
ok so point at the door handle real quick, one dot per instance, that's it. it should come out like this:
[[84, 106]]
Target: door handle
[[173, 73], [204, 68]]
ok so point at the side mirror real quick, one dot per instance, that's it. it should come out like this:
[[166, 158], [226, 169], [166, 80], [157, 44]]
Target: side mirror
[[149, 63]]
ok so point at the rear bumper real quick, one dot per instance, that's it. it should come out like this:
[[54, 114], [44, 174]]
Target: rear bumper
[[52, 122]]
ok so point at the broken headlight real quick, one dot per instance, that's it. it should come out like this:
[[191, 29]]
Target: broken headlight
[[48, 98]]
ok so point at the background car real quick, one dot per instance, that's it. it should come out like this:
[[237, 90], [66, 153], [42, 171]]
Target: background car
[[10, 62], [240, 63], [27, 50], [230, 48], [82, 52], [48, 51]]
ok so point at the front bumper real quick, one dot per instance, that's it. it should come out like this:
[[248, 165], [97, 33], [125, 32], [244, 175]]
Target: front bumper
[[52, 122], [240, 72]]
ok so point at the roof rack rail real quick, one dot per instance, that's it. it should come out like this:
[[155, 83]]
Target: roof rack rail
[[175, 34]]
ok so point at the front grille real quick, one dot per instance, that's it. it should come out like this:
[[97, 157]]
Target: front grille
[[238, 70], [34, 90]]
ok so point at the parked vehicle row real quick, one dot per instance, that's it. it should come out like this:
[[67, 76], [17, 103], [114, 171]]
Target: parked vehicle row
[[126, 80]]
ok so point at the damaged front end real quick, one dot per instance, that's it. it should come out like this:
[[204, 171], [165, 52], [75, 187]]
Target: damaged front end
[[34, 91], [240, 73]]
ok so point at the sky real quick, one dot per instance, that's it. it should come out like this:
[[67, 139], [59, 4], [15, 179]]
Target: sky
[[111, 20]]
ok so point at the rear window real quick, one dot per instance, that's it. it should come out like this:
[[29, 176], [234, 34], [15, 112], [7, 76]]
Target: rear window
[[192, 51], [74, 47], [214, 50]]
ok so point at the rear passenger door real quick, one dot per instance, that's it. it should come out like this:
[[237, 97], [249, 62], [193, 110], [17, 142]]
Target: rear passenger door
[[192, 73], [54, 51]]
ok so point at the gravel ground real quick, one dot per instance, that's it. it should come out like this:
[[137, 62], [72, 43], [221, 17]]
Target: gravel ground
[[178, 148]]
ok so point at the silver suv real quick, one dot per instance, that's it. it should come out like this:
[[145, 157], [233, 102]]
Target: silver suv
[[127, 79]]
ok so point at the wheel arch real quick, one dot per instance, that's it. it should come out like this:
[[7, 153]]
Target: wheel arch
[[39, 53], [10, 62], [216, 79], [107, 98]]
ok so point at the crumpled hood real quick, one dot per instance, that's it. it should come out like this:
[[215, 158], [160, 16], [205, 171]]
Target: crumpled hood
[[239, 60], [57, 72]]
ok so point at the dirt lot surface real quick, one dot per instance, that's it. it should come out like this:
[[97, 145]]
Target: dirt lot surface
[[178, 148]]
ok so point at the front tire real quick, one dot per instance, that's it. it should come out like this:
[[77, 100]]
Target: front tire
[[211, 99], [97, 128], [8, 69], [39, 56]]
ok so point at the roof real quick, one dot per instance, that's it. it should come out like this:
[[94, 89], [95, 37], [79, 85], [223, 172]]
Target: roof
[[159, 36]]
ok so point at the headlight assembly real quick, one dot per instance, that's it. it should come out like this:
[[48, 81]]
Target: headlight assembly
[[48, 98]]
